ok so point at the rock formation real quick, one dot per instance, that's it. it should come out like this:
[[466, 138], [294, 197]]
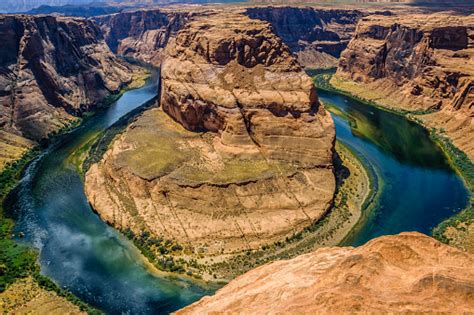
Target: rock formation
[[317, 36], [51, 69], [416, 63], [405, 273], [239, 156], [141, 34]]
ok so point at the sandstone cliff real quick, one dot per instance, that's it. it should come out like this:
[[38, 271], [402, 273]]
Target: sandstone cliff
[[51, 69], [405, 273], [141, 34], [416, 63], [317, 36], [239, 156]]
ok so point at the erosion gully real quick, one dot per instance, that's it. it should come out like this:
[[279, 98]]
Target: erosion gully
[[417, 189]]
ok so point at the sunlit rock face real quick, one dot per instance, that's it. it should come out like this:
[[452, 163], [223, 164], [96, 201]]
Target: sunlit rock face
[[232, 75]]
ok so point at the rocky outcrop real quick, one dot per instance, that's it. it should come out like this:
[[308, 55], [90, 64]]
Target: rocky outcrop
[[416, 63], [141, 34], [317, 36], [52, 69], [239, 156], [405, 273]]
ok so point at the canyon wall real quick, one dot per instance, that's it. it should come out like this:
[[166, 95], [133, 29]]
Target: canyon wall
[[405, 273], [239, 155], [51, 70], [416, 63], [141, 34], [317, 36]]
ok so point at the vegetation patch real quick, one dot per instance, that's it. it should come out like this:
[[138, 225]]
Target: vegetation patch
[[167, 255], [455, 230]]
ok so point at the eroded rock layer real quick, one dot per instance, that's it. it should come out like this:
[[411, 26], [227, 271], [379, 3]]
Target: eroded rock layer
[[405, 273], [141, 34], [239, 156], [51, 69], [317, 36], [416, 63]]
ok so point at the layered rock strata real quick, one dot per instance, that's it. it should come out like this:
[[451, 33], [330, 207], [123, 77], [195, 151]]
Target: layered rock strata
[[317, 36], [405, 273], [141, 34], [51, 69], [239, 156], [416, 63]]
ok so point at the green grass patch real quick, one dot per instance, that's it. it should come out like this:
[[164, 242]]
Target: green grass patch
[[465, 168]]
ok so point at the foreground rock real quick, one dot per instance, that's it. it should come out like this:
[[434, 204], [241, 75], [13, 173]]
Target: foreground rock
[[405, 273], [51, 70], [416, 63], [241, 156]]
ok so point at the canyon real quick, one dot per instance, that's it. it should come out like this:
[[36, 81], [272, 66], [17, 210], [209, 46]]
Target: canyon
[[239, 155], [51, 70]]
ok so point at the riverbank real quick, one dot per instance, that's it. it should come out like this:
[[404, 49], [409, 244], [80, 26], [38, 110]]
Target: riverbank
[[458, 230], [18, 261]]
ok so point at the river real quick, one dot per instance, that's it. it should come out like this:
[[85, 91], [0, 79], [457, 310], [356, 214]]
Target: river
[[81, 253], [417, 187]]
